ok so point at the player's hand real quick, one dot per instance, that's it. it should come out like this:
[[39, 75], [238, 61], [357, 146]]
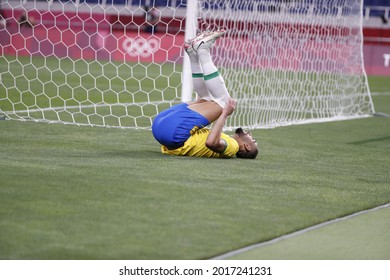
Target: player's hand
[[230, 106]]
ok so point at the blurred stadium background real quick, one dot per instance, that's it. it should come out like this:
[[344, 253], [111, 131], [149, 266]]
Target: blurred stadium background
[[92, 193], [113, 15]]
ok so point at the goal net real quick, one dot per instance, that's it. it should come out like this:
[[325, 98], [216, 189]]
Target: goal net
[[118, 63]]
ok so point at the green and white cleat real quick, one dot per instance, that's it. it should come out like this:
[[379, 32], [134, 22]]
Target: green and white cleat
[[207, 40], [189, 43]]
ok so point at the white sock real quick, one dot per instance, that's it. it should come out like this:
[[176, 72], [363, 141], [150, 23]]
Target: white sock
[[206, 62], [217, 88], [213, 79], [197, 79]]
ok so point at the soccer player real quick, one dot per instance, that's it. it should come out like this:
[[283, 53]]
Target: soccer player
[[181, 129]]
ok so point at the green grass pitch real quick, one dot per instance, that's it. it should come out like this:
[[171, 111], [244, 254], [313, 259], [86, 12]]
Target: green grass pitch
[[361, 237], [69, 192], [86, 89]]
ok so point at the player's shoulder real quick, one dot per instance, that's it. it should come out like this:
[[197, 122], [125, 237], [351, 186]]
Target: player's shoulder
[[232, 146]]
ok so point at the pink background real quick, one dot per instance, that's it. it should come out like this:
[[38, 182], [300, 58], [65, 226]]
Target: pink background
[[96, 41]]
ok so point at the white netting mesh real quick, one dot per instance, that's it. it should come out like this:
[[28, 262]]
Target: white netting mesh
[[119, 64], [88, 63], [296, 61]]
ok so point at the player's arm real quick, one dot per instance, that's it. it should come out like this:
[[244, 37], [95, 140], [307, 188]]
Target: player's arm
[[214, 141]]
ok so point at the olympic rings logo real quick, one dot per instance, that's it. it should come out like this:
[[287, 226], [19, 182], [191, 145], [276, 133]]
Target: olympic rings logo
[[140, 46]]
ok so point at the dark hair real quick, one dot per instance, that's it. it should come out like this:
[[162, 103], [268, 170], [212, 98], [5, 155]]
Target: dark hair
[[252, 154]]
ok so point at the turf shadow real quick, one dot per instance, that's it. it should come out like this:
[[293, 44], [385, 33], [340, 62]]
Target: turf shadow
[[372, 140], [152, 154]]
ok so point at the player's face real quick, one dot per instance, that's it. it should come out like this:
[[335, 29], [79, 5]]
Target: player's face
[[246, 136]]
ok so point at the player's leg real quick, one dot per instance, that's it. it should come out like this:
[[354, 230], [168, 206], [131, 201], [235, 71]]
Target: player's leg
[[208, 109], [196, 71], [212, 77]]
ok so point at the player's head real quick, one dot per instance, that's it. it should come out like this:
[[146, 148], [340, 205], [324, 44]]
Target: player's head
[[248, 145]]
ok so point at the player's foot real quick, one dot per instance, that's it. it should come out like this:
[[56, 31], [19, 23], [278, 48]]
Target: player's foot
[[188, 48], [189, 43], [207, 40]]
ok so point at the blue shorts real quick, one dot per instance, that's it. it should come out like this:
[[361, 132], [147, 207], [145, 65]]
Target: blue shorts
[[173, 126]]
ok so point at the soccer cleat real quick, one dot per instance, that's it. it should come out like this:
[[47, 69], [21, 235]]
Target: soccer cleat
[[188, 48], [207, 40], [189, 43]]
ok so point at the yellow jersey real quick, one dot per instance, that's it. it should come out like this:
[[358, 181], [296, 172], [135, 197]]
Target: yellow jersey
[[195, 146]]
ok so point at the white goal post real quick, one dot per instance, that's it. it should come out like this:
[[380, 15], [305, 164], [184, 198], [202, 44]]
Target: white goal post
[[119, 63]]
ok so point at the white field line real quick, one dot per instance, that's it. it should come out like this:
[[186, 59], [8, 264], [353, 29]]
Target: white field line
[[380, 93], [294, 234]]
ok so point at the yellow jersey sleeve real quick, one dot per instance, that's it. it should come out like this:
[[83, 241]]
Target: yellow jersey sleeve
[[195, 146]]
